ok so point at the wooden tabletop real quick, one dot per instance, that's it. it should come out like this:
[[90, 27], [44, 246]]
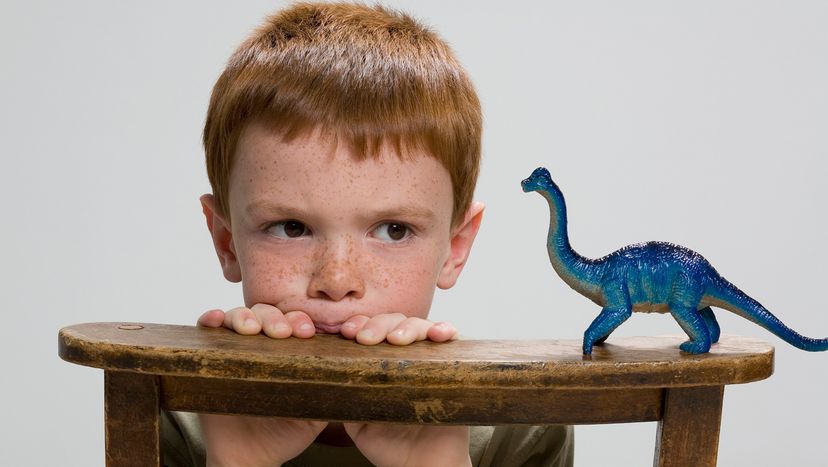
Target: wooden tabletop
[[639, 362]]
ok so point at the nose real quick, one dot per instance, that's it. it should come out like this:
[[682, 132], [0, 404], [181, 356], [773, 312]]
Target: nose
[[336, 273]]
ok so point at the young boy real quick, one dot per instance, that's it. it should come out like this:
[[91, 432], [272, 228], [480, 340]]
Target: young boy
[[343, 146]]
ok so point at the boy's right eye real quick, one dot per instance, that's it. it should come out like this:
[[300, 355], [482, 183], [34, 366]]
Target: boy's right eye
[[287, 229]]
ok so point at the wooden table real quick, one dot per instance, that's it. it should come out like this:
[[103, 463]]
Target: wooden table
[[149, 367]]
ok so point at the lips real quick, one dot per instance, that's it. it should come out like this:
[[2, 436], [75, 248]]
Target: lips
[[322, 328]]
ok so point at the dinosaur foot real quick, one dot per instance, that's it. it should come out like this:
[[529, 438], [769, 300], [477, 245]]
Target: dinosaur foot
[[695, 347]]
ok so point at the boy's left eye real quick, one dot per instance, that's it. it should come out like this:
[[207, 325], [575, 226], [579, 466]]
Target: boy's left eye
[[392, 232]]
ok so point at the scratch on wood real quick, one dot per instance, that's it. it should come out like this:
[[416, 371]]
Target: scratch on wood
[[434, 410]]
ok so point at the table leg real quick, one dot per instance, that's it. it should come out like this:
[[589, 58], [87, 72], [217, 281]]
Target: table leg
[[132, 411], [688, 433]]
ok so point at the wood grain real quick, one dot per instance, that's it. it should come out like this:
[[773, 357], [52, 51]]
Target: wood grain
[[132, 408], [653, 362], [689, 432], [444, 405]]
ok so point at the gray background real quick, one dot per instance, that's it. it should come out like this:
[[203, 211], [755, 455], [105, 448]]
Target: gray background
[[701, 123]]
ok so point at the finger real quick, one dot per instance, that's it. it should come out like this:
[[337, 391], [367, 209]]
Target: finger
[[442, 332], [408, 331], [352, 326], [243, 321], [378, 327], [301, 324], [272, 320], [211, 318]]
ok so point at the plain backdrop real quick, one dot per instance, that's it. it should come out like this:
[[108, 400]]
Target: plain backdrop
[[702, 123]]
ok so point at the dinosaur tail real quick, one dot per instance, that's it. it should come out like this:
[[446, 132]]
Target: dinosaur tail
[[725, 295]]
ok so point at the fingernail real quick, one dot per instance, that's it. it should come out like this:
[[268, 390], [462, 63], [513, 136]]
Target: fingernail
[[250, 322], [399, 332], [306, 327], [366, 334], [349, 325]]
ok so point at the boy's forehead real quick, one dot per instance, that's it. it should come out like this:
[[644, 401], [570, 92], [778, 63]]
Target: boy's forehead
[[317, 164]]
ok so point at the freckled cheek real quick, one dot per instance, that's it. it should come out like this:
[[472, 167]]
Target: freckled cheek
[[389, 269], [273, 278], [404, 285]]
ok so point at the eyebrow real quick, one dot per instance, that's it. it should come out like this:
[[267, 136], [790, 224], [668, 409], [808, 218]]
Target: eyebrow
[[269, 207], [394, 212], [404, 212]]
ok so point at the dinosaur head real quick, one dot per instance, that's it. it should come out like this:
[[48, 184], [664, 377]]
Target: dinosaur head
[[539, 180]]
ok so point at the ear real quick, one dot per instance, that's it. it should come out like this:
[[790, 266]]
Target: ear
[[462, 238], [222, 239]]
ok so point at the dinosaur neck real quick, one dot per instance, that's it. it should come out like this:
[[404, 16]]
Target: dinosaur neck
[[580, 273]]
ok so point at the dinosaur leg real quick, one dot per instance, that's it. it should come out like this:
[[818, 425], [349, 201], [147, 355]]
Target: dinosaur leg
[[603, 325], [617, 310], [694, 325], [684, 303], [712, 325]]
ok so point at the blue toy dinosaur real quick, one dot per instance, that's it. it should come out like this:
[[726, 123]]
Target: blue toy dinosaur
[[655, 277]]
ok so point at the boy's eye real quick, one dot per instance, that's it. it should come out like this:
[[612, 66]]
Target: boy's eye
[[287, 229], [392, 232]]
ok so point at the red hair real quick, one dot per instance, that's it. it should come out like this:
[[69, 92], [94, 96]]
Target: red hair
[[372, 75]]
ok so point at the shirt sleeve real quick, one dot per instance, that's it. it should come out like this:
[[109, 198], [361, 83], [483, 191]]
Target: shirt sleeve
[[523, 446], [181, 441]]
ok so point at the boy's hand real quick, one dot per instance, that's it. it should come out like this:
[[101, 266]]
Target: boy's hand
[[396, 328], [389, 445], [233, 440], [261, 318]]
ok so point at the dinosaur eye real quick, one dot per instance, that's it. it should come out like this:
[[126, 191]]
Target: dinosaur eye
[[287, 229], [392, 232]]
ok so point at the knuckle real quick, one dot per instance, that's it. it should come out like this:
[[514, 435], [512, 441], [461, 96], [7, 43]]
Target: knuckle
[[247, 314]]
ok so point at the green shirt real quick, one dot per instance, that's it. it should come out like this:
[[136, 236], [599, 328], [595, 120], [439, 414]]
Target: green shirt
[[502, 446]]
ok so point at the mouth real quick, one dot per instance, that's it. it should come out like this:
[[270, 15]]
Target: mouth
[[322, 328], [525, 185]]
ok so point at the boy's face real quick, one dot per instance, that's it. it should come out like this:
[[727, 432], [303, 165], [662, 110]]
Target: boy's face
[[317, 231]]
